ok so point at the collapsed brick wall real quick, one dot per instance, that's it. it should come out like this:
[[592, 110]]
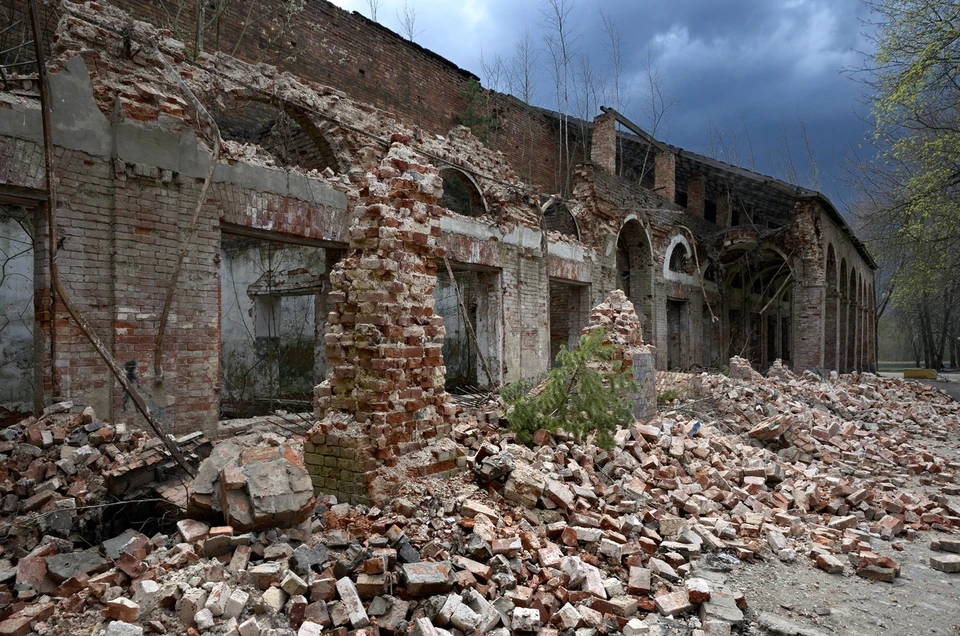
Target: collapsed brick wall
[[373, 65], [384, 397]]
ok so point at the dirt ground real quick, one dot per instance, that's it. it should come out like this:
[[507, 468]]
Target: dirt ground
[[809, 601], [799, 599]]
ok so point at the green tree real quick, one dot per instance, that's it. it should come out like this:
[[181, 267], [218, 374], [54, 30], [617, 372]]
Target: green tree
[[911, 186], [581, 394], [478, 115]]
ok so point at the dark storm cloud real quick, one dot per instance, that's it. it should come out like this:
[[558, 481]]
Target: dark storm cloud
[[750, 68]]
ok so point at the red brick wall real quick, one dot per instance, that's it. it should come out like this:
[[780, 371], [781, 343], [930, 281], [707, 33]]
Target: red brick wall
[[374, 65]]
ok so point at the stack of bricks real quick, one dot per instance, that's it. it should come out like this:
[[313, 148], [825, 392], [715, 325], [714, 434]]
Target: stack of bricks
[[617, 316], [384, 397]]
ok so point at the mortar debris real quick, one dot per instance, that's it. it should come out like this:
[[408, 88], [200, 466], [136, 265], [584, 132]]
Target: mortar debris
[[810, 472]]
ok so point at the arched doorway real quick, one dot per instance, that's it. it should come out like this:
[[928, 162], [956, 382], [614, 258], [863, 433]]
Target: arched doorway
[[635, 273], [758, 295]]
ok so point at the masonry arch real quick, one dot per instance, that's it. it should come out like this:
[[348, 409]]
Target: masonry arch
[[461, 193], [635, 272], [678, 257], [758, 290], [291, 136], [831, 311], [558, 218]]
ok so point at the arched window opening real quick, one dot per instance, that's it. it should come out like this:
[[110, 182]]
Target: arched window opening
[[681, 258], [460, 194], [286, 135], [557, 218]]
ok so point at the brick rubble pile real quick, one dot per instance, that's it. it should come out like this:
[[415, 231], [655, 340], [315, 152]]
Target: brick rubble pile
[[559, 538]]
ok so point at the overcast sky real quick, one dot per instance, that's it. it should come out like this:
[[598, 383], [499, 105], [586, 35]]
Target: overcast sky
[[743, 69]]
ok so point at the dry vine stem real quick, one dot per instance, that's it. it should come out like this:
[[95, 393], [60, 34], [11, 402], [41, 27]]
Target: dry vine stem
[[58, 287]]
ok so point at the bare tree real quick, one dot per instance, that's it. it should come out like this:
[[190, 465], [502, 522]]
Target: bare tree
[[814, 179], [613, 45], [587, 89], [494, 71], [734, 147], [658, 105], [274, 17], [561, 40], [374, 5], [782, 159], [614, 48], [408, 21], [521, 69]]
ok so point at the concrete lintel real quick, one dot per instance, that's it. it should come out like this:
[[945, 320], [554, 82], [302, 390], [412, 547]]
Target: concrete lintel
[[519, 236]]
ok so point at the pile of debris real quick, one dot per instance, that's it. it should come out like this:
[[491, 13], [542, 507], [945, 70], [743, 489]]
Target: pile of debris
[[57, 471], [560, 537]]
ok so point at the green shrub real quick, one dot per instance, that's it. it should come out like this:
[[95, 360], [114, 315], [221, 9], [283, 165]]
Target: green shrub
[[580, 395]]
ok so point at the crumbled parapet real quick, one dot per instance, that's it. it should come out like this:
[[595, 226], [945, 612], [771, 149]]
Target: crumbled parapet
[[740, 369], [384, 397], [618, 317]]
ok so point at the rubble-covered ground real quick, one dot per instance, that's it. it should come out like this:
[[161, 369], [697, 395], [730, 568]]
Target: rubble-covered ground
[[753, 505]]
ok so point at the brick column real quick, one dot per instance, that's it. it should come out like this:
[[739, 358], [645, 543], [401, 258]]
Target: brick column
[[696, 194], [665, 175], [384, 393], [808, 326], [603, 143], [724, 210]]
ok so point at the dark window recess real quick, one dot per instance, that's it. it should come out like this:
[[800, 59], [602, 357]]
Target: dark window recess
[[459, 193], [559, 219], [682, 199], [735, 217], [678, 260], [290, 137], [710, 211]]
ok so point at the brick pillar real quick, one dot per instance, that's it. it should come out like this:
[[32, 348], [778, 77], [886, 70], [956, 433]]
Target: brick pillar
[[724, 210], [603, 143], [665, 175], [696, 194], [384, 393], [808, 326], [616, 314]]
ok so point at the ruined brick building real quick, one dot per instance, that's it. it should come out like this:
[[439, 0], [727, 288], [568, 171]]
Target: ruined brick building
[[717, 260]]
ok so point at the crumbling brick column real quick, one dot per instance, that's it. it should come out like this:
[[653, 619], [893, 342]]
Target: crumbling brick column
[[725, 210], [617, 315], [384, 396], [696, 194], [665, 175], [603, 143]]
